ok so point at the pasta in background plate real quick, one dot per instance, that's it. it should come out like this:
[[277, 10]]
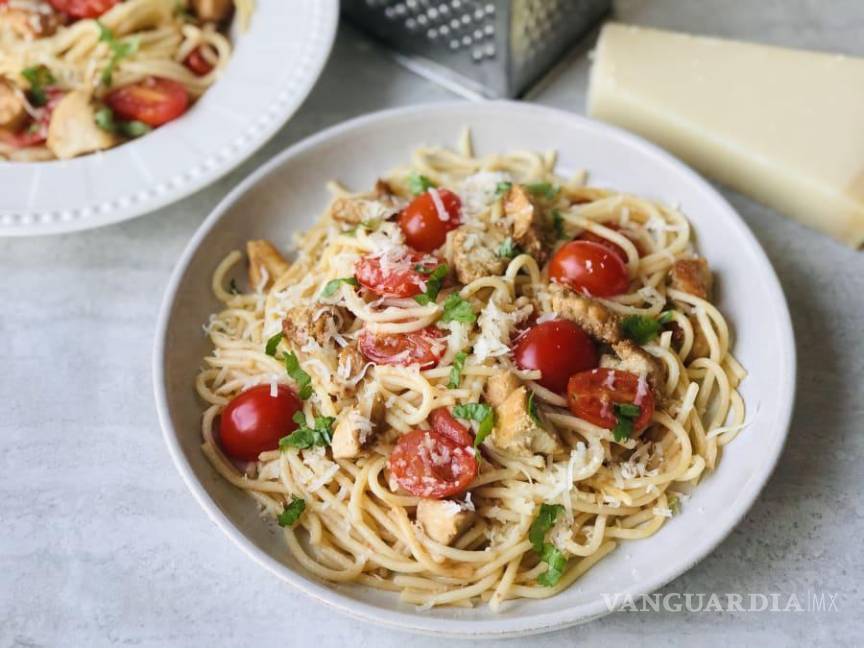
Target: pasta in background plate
[[473, 381], [79, 76]]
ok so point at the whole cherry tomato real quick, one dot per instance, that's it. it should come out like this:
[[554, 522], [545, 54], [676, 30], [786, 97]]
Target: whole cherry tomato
[[424, 224], [254, 421], [593, 394], [424, 347], [589, 268], [400, 277], [429, 464], [559, 349], [443, 423], [153, 101]]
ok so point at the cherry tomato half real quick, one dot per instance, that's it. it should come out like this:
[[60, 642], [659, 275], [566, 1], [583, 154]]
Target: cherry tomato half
[[422, 222], [592, 394], [443, 423], [617, 249], [196, 62], [559, 349], [254, 421], [153, 101], [83, 8], [424, 347], [400, 279], [429, 464], [589, 268]]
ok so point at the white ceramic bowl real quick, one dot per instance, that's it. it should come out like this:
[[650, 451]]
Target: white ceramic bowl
[[274, 66], [288, 193]]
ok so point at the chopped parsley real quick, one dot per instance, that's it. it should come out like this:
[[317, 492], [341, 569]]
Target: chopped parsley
[[104, 119], [674, 504], [433, 284], [291, 512], [558, 224], [38, 76], [502, 188], [626, 414], [481, 413], [508, 248], [418, 184], [555, 560], [545, 189], [456, 370], [119, 51], [457, 309], [333, 285], [303, 379], [272, 343], [642, 329], [532, 409], [305, 437]]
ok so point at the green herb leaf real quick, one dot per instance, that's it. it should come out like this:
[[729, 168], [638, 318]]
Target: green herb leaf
[[532, 409], [502, 188], [456, 370], [666, 317], [545, 189], [104, 119], [38, 76], [418, 184], [120, 49], [548, 553], [558, 224], [639, 328], [303, 379], [457, 309], [133, 128], [508, 248], [626, 414], [291, 512], [557, 563], [333, 285], [674, 504], [272, 344], [305, 437], [481, 413], [433, 285]]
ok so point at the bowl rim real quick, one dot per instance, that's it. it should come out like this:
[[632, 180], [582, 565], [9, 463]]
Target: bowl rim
[[114, 208], [456, 627]]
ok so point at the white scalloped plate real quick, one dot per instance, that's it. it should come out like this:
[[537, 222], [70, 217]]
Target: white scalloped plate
[[274, 66], [288, 193]]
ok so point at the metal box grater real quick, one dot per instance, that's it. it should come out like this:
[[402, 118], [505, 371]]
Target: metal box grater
[[492, 48]]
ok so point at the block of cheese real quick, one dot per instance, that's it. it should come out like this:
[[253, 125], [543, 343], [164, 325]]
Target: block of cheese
[[783, 126]]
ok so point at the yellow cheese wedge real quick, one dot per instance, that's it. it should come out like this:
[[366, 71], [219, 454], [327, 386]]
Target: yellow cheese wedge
[[783, 126]]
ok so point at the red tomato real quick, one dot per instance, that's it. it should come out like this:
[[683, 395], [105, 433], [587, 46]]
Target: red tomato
[[37, 131], [617, 249], [83, 8], [589, 268], [424, 347], [421, 221], [557, 348], [592, 394], [429, 464], [443, 423], [254, 421], [401, 279], [153, 101], [196, 62]]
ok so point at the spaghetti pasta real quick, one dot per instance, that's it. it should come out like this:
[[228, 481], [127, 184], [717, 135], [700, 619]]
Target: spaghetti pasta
[[531, 519]]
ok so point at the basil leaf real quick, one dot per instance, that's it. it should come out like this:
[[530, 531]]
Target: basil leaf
[[333, 285], [433, 285], [418, 184], [544, 521], [133, 128], [532, 409], [457, 309], [456, 370], [666, 317], [628, 410], [508, 249], [502, 188], [627, 413], [545, 189], [303, 379], [119, 50], [38, 76], [556, 561], [481, 413], [291, 512], [104, 119], [272, 343], [305, 437], [639, 328]]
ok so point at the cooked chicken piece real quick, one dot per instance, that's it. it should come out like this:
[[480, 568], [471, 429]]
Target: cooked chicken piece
[[379, 204], [73, 130], [356, 426], [212, 10], [350, 365], [475, 254], [597, 320], [517, 432], [499, 386], [525, 218], [635, 359], [691, 276], [264, 258], [443, 520], [29, 24], [319, 323], [12, 111]]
